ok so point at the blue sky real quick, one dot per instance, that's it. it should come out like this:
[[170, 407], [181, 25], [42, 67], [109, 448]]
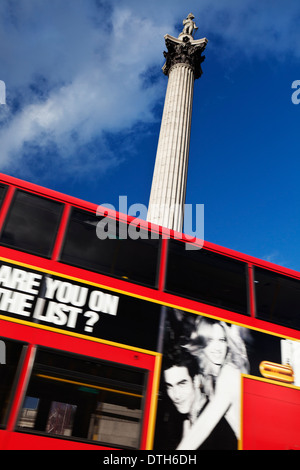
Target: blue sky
[[85, 93]]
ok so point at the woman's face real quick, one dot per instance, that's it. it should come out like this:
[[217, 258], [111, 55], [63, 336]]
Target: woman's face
[[216, 347]]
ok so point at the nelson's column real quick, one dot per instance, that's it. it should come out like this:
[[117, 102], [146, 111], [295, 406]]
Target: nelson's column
[[182, 66]]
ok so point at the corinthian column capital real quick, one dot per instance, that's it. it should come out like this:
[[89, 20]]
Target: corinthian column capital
[[184, 50]]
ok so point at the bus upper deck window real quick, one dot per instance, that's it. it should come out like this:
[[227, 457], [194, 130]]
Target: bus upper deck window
[[3, 189], [32, 223], [116, 254], [208, 277], [277, 298]]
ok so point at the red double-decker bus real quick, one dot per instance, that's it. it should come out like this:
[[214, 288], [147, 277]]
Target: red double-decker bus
[[148, 343]]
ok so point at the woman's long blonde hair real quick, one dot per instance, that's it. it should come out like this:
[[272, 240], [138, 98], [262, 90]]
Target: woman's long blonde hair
[[236, 353]]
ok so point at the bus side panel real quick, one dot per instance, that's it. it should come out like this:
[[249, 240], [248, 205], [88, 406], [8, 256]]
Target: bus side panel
[[270, 416], [20, 441]]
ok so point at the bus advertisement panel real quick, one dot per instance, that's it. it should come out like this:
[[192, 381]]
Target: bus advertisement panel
[[65, 303], [200, 404]]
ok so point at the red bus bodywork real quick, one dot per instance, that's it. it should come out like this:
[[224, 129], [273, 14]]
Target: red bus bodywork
[[260, 397]]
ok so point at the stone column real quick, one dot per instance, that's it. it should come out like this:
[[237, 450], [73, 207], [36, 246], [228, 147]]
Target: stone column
[[167, 197]]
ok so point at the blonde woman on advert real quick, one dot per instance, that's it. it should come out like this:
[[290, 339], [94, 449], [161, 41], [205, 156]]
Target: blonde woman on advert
[[222, 358]]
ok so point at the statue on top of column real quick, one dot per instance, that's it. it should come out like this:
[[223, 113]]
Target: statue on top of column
[[189, 26], [185, 49]]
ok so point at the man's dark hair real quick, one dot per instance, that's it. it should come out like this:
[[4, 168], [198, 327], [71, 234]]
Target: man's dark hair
[[180, 357]]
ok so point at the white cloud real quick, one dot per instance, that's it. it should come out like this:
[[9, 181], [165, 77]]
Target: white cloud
[[86, 80], [75, 70]]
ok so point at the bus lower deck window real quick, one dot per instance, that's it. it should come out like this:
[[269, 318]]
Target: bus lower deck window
[[84, 398]]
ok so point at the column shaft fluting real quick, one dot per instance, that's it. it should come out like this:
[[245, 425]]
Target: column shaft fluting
[[167, 198], [168, 191]]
